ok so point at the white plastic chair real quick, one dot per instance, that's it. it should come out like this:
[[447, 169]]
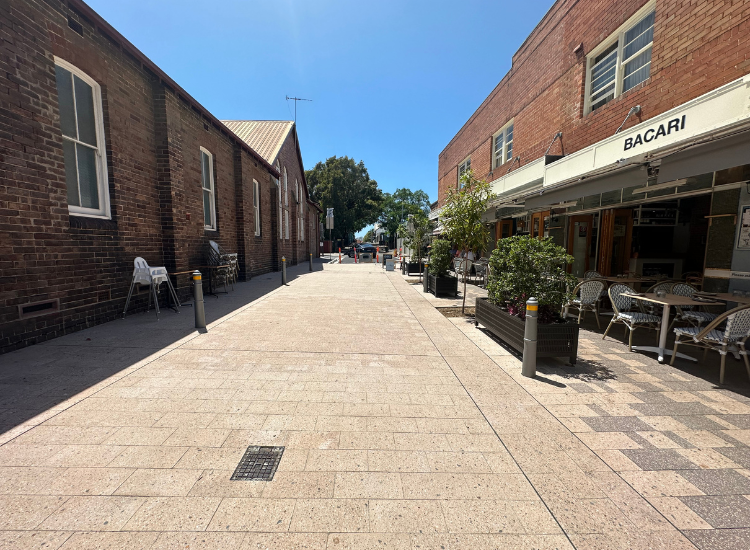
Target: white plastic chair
[[153, 277]]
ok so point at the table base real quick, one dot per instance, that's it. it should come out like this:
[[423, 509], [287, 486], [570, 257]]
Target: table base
[[662, 352]]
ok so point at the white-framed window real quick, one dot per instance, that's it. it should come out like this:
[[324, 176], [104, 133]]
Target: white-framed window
[[622, 61], [296, 189], [464, 167], [256, 207], [286, 224], [286, 188], [82, 124], [209, 195], [502, 148], [281, 215]]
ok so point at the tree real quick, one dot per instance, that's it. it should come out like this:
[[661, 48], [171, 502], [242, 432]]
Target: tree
[[369, 236], [415, 232], [345, 185], [462, 217], [398, 206]]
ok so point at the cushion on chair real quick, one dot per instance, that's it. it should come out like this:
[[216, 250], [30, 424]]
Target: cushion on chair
[[638, 317], [714, 335], [700, 316]]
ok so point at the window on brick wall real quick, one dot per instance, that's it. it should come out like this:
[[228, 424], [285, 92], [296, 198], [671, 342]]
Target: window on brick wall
[[503, 145], [464, 167], [82, 125], [281, 215], [256, 207], [286, 224], [622, 61], [286, 188], [209, 195]]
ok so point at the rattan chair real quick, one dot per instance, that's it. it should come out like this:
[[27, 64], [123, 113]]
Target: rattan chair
[[591, 274], [732, 338], [590, 296], [632, 320], [689, 314], [229, 258]]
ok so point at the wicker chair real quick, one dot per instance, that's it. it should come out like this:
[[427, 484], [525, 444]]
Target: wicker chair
[[733, 336], [228, 258], [632, 320], [689, 314], [590, 294], [223, 274], [591, 274]]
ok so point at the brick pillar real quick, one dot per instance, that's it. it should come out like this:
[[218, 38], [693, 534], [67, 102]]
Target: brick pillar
[[243, 193], [168, 153]]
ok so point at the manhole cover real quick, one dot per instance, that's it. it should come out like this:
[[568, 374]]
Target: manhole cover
[[258, 463]]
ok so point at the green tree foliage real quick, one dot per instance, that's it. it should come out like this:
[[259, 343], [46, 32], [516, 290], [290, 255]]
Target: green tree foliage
[[462, 217], [440, 257], [369, 236], [345, 185], [397, 207], [522, 267]]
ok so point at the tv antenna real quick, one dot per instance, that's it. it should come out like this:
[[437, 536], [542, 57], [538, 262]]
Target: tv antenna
[[296, 99]]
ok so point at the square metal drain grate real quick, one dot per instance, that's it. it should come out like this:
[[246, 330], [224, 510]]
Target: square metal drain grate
[[258, 463]]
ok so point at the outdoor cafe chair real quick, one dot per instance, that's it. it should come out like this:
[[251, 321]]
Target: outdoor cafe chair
[[152, 277], [228, 258], [731, 339], [222, 274], [689, 314], [592, 275], [588, 294], [458, 266], [622, 306], [480, 269], [666, 286]]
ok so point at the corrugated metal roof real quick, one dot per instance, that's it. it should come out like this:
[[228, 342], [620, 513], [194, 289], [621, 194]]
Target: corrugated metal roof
[[264, 136]]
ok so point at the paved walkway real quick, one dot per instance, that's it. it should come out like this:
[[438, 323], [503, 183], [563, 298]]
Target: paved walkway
[[402, 429]]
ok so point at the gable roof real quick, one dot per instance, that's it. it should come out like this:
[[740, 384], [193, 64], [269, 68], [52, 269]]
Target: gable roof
[[264, 136]]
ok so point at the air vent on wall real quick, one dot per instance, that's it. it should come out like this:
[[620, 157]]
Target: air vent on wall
[[75, 25], [35, 309]]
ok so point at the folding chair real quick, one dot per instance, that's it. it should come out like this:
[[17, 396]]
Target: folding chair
[[153, 277]]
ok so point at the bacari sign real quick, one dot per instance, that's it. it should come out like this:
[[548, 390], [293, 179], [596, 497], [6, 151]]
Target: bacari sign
[[665, 129]]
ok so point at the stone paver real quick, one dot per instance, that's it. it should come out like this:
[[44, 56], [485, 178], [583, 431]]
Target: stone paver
[[402, 429]]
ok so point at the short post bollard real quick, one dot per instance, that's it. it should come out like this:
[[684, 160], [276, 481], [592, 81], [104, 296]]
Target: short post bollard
[[200, 312], [310, 262], [283, 270], [528, 368], [339, 254]]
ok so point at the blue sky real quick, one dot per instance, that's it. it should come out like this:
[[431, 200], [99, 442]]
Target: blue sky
[[391, 80]]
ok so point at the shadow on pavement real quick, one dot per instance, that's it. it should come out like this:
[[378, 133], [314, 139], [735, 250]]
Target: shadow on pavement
[[40, 377]]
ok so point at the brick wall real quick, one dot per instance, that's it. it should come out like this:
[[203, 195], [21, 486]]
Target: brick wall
[[153, 137], [698, 46]]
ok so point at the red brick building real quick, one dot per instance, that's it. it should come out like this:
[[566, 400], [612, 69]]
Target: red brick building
[[277, 142], [605, 101], [104, 158]]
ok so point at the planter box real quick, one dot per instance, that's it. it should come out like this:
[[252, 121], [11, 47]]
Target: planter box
[[441, 286], [555, 340], [407, 268]]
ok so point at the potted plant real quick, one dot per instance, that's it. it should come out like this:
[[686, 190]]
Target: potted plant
[[522, 267], [415, 233], [437, 279]]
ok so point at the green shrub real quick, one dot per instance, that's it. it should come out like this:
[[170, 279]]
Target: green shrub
[[440, 257], [523, 267]]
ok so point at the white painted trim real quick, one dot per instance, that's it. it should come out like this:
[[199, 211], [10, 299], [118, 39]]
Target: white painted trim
[[256, 206], [213, 225], [104, 212], [502, 130], [616, 36], [713, 114]]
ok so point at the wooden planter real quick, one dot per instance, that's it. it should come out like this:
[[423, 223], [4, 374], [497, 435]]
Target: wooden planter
[[407, 268], [554, 340], [441, 286]]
